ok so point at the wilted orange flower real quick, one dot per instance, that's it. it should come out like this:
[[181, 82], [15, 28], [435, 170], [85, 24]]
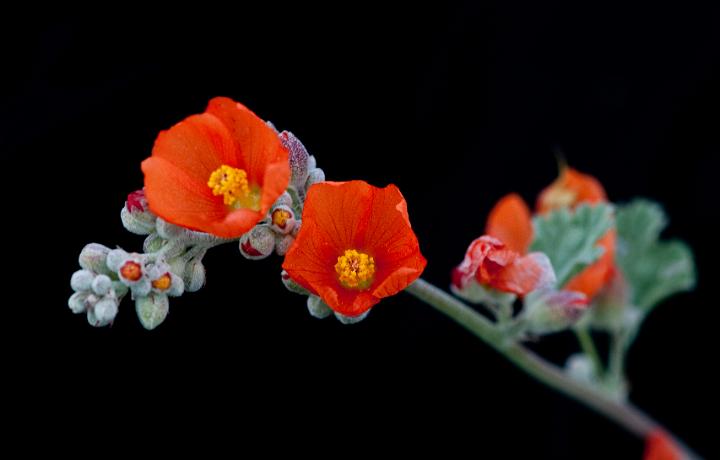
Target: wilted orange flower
[[218, 172], [355, 246], [499, 259], [571, 189], [659, 446]]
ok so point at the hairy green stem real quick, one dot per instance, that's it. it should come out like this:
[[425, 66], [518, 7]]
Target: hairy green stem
[[588, 347], [625, 414]]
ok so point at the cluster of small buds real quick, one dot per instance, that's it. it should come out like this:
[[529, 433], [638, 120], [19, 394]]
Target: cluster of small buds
[[171, 262], [277, 232], [97, 292], [170, 265]]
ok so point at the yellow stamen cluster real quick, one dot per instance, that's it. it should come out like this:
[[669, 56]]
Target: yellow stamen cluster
[[280, 217], [231, 183], [355, 269]]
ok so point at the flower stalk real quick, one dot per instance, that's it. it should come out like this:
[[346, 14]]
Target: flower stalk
[[623, 413]]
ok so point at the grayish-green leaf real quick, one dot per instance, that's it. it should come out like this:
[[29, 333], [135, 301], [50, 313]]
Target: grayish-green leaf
[[569, 238], [654, 269]]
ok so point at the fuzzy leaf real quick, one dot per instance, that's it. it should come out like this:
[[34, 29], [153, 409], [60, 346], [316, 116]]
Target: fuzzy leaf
[[654, 269], [569, 238]]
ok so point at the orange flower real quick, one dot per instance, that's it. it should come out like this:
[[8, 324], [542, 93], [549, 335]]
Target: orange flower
[[571, 189], [218, 172], [491, 263], [355, 246], [659, 446], [499, 258]]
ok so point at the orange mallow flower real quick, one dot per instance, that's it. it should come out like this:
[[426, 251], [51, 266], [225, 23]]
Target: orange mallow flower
[[355, 246], [571, 189], [659, 446], [499, 260], [218, 172]]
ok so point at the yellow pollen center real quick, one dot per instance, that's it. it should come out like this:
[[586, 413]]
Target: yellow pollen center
[[280, 217], [162, 283], [355, 269], [231, 183]]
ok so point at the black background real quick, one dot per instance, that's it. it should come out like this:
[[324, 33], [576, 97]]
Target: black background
[[456, 106]]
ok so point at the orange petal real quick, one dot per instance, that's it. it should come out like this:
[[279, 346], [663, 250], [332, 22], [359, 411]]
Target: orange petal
[[569, 190], [659, 446], [197, 145], [510, 222], [259, 145], [593, 278], [354, 215], [180, 199]]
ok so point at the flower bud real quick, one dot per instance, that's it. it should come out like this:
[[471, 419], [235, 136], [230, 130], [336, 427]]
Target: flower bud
[[351, 319], [298, 156], [101, 285], [140, 223], [282, 244], [548, 310], [116, 258], [152, 310], [82, 280], [580, 368], [167, 230], [120, 289], [317, 307], [284, 200], [315, 176], [105, 311], [194, 275], [291, 285], [258, 243], [282, 219], [78, 302], [136, 215], [93, 257], [153, 243]]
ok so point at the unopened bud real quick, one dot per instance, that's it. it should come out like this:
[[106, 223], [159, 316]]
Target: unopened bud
[[258, 243], [93, 257], [101, 285], [284, 200], [105, 311], [116, 258], [298, 156], [580, 367], [282, 244], [317, 307], [194, 275], [315, 176], [351, 319], [548, 310], [152, 310], [167, 230], [140, 223], [78, 302], [82, 280], [291, 285], [153, 243]]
